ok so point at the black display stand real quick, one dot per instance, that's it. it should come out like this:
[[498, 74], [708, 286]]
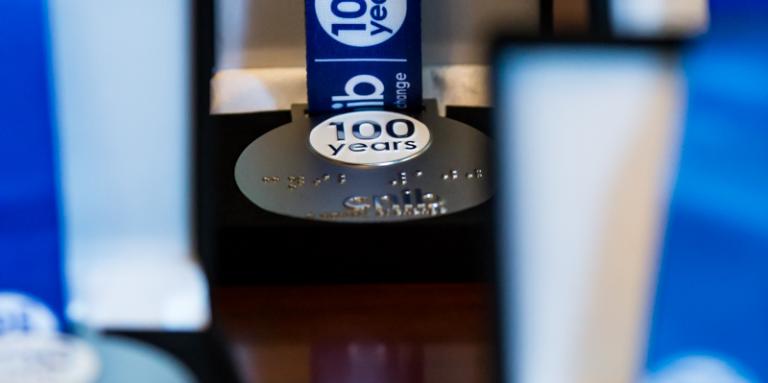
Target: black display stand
[[256, 247]]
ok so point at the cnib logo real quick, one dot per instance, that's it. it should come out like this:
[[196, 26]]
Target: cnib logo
[[355, 99], [361, 23]]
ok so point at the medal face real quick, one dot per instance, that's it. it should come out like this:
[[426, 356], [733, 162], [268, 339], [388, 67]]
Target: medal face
[[367, 167]]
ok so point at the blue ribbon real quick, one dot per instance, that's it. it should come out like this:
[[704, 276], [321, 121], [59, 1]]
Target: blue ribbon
[[363, 54]]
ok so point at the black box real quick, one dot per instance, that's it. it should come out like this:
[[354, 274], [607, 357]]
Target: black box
[[253, 246]]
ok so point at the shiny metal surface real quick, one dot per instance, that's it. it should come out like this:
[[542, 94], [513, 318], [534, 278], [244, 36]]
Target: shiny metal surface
[[280, 173]]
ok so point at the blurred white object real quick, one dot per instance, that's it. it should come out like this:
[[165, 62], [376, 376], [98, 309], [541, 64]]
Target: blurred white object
[[51, 359], [659, 17], [699, 369], [123, 82], [134, 285], [257, 90], [589, 136]]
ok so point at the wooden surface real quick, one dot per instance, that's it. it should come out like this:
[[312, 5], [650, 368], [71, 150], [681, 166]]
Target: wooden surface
[[359, 334], [571, 16]]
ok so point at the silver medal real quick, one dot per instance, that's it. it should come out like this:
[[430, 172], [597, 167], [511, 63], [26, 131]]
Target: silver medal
[[372, 166]]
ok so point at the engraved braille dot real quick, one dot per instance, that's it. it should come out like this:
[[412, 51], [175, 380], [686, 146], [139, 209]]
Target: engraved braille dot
[[446, 177], [403, 174], [394, 183], [326, 177], [419, 173], [454, 176], [470, 176], [404, 182]]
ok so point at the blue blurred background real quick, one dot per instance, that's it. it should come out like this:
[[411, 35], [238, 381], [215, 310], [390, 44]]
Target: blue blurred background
[[30, 239], [713, 281]]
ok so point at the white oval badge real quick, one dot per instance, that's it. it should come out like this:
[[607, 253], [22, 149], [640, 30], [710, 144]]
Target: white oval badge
[[371, 138], [361, 23], [20, 314]]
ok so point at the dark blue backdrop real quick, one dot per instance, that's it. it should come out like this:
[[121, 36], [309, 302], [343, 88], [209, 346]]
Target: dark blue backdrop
[[30, 247]]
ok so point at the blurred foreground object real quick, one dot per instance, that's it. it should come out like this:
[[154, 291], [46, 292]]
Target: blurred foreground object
[[123, 78], [36, 341], [707, 312], [659, 17], [587, 134]]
